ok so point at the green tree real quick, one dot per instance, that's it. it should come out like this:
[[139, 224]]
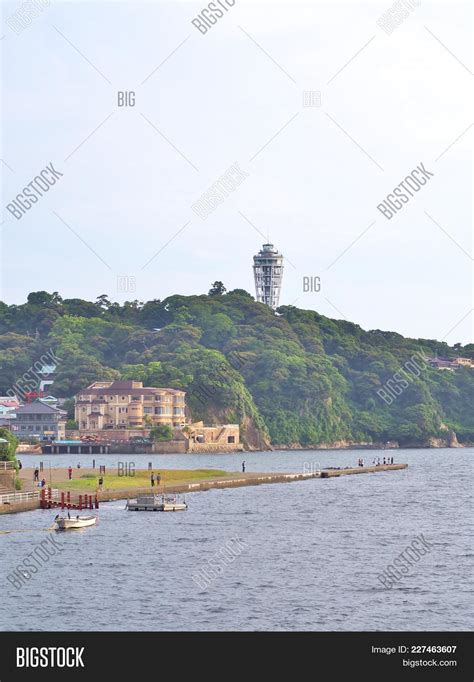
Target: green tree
[[42, 298], [161, 433], [217, 289], [8, 450]]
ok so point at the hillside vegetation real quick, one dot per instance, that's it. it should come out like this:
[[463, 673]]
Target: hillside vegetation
[[291, 377]]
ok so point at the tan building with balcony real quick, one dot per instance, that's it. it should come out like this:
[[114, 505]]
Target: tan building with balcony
[[128, 404]]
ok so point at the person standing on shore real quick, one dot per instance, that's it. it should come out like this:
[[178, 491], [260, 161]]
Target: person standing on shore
[[36, 475], [101, 482], [243, 467], [158, 479], [152, 479], [69, 472]]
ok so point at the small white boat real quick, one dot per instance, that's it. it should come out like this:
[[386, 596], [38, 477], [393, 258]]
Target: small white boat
[[71, 522], [157, 503]]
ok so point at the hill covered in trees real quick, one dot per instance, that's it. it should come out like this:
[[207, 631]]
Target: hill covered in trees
[[291, 377]]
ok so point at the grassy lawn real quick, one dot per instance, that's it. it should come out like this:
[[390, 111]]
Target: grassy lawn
[[90, 482]]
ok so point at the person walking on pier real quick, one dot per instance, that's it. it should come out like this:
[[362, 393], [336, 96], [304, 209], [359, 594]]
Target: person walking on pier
[[69, 472], [391, 460], [101, 482], [152, 479], [36, 476]]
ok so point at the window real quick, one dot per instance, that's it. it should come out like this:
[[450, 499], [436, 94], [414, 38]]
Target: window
[[158, 410], [83, 409], [148, 410], [135, 398], [147, 397], [231, 439]]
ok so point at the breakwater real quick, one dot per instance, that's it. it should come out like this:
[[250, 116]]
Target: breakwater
[[235, 481]]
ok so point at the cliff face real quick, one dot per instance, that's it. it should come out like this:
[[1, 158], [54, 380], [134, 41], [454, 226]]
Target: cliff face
[[253, 436], [448, 441]]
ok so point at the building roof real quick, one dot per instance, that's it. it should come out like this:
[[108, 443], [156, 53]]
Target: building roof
[[47, 369], [123, 384], [7, 408], [38, 407], [127, 387]]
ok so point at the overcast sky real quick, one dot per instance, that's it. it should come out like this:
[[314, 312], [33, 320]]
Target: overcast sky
[[235, 94]]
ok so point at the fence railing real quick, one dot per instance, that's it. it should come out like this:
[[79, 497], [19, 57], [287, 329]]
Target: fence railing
[[7, 465], [8, 498]]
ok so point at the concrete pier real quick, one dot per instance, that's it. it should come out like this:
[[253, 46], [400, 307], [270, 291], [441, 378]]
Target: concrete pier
[[243, 480], [330, 473], [233, 480]]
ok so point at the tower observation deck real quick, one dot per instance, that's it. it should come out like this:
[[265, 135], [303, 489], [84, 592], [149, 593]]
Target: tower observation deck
[[268, 274]]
